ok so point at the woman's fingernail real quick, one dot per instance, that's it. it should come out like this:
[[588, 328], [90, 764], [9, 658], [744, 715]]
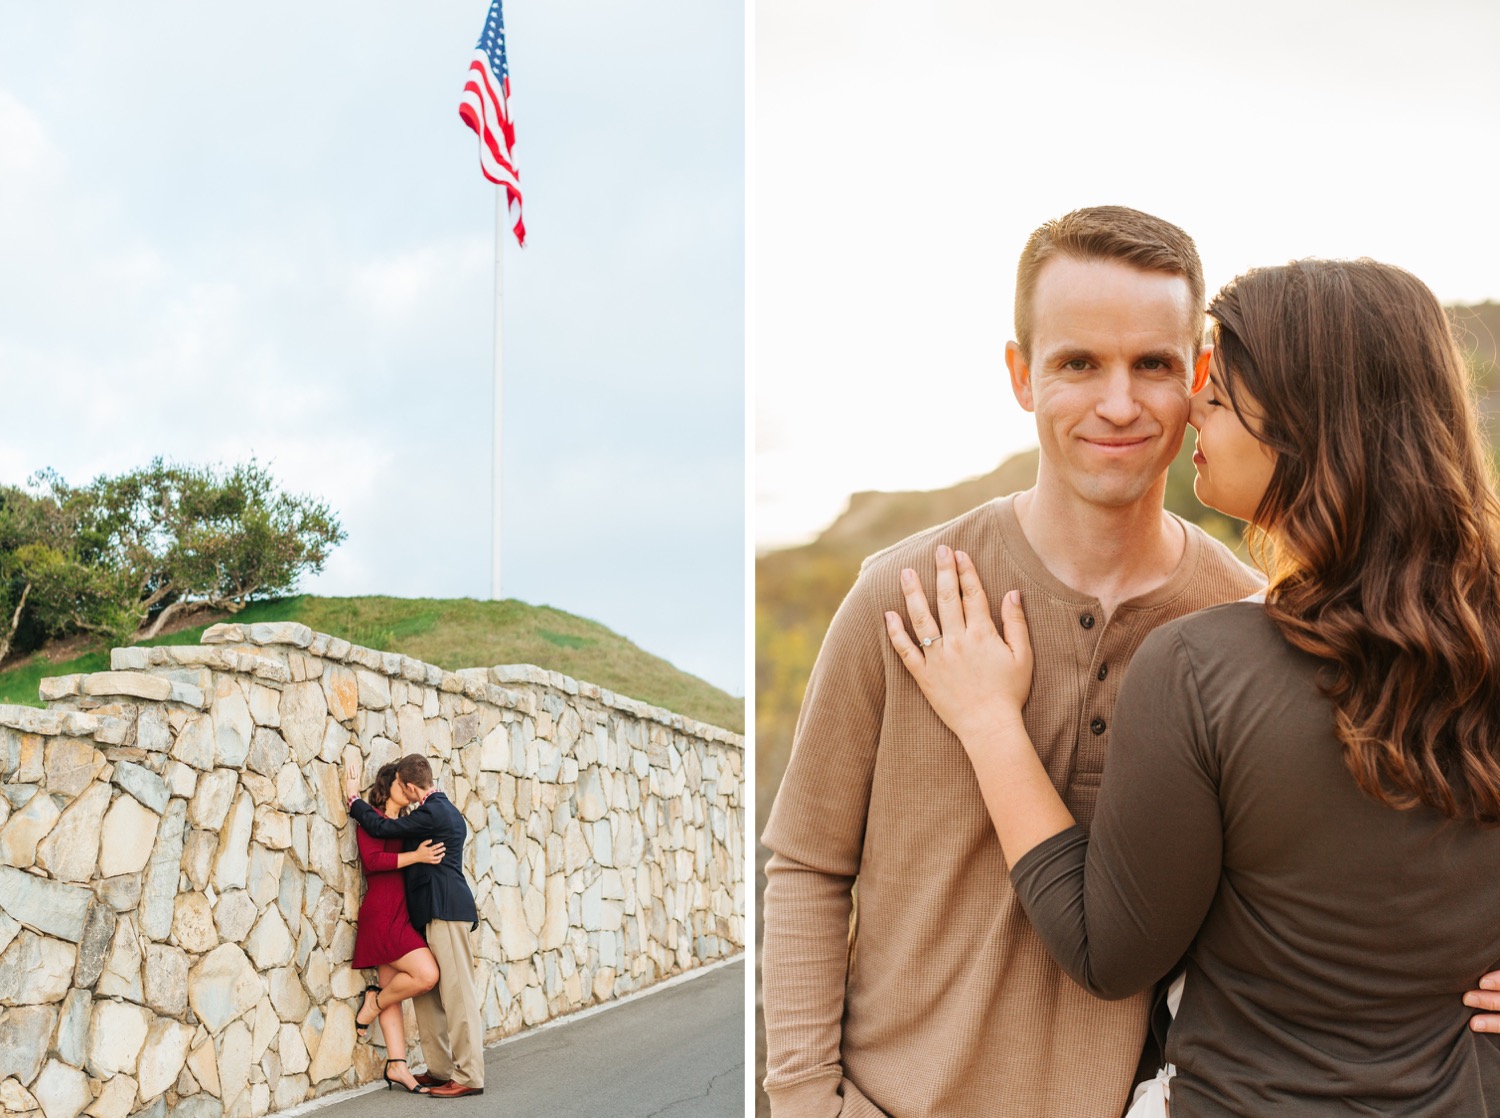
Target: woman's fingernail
[[1471, 1000], [942, 553], [907, 575]]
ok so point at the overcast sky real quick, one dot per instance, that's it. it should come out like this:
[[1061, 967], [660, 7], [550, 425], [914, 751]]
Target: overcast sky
[[904, 152], [235, 230]]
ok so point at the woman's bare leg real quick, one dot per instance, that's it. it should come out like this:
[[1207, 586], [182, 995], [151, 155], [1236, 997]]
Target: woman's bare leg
[[414, 973], [393, 1029]]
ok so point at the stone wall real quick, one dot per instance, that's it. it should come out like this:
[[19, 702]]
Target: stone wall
[[179, 880]]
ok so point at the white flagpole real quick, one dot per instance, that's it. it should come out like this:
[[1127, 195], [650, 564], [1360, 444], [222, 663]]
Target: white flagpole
[[502, 224]]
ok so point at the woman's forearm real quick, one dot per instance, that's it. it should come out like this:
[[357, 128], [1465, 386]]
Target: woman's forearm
[[407, 858], [1023, 805]]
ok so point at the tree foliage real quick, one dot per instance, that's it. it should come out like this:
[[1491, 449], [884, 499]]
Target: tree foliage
[[124, 554]]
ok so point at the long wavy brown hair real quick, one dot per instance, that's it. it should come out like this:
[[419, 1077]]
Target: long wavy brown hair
[[1383, 525]]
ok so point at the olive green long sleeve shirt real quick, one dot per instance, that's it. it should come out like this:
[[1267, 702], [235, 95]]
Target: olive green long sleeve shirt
[[1329, 939]]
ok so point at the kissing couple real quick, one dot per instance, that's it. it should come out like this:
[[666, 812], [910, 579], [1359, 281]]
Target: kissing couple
[[414, 926]]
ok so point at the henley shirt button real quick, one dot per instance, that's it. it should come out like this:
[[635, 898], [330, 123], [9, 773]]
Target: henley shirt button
[[1087, 621], [1103, 670], [1097, 725]]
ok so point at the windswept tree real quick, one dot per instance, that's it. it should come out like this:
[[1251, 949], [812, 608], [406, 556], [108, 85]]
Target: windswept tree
[[228, 539], [128, 553], [49, 584]]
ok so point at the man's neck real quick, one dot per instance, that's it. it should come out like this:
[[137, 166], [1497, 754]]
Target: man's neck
[[1113, 554]]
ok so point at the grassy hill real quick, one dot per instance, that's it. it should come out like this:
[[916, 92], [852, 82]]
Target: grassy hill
[[452, 633]]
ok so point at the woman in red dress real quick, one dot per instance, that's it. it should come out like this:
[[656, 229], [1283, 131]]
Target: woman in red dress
[[384, 937]]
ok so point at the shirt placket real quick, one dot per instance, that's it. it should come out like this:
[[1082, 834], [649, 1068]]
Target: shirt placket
[[1101, 643]]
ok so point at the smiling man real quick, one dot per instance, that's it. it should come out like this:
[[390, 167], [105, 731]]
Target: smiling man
[[938, 1000]]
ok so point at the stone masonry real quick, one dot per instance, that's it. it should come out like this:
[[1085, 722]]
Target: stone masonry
[[179, 879]]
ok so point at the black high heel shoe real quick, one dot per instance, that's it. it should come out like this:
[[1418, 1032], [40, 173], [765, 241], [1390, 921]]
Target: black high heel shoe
[[389, 1082], [362, 1032]]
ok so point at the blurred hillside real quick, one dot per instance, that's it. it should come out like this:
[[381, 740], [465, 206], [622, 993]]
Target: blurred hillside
[[1478, 329]]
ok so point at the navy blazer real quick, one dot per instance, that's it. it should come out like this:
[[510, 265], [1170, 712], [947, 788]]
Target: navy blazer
[[433, 892]]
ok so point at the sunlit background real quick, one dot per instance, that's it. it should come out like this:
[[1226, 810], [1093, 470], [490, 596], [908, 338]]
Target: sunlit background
[[904, 152]]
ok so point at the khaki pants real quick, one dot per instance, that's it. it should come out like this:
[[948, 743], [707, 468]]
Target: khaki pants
[[448, 1014]]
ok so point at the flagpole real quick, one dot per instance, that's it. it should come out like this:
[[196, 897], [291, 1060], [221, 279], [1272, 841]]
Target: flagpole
[[502, 223]]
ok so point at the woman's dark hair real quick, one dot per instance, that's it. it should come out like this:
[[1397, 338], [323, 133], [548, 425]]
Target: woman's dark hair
[[1382, 519], [380, 791]]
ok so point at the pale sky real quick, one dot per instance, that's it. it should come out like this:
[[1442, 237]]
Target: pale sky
[[903, 153], [261, 229]]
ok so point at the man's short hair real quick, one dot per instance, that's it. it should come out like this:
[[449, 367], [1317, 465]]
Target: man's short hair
[[1107, 233], [414, 769]]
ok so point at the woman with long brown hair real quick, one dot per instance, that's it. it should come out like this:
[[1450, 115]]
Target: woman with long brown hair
[[1302, 794], [384, 938]]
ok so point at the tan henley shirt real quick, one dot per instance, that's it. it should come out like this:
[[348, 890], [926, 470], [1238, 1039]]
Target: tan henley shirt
[[942, 1002]]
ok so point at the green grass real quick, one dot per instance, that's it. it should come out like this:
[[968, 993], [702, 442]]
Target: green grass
[[19, 684], [457, 633]]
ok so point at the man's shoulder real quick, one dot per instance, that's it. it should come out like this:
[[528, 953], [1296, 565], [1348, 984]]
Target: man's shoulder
[[1220, 575], [977, 531], [442, 807], [857, 635]]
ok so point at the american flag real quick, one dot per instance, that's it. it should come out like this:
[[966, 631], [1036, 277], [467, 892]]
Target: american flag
[[484, 108]]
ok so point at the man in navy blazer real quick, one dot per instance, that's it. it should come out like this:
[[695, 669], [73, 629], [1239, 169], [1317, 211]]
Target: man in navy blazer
[[441, 907]]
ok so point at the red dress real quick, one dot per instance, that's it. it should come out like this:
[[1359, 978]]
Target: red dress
[[384, 932]]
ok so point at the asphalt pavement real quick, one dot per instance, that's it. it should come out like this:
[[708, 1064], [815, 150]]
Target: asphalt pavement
[[677, 1052]]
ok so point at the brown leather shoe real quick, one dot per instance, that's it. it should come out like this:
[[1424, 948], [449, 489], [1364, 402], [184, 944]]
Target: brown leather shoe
[[427, 1079], [454, 1090]]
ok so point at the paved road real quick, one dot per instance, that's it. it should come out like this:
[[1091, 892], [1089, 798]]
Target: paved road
[[675, 1053]]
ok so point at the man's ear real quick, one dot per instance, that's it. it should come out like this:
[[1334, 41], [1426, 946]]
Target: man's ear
[[1020, 375], [1201, 368]]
